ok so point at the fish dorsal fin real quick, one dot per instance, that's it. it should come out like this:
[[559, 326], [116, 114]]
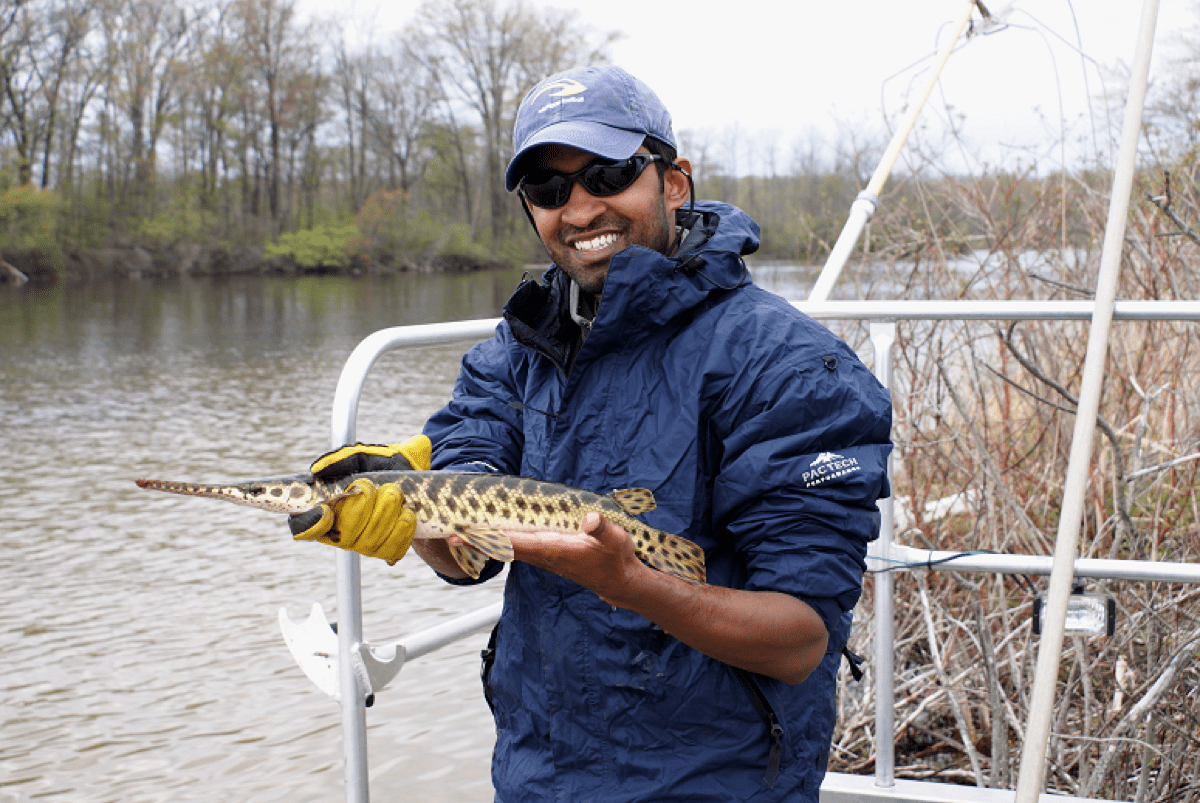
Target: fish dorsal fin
[[491, 541], [634, 501]]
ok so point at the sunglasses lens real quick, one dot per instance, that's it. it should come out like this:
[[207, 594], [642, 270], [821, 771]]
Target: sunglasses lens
[[603, 180], [549, 192], [552, 190]]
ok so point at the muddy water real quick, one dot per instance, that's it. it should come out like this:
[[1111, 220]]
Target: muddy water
[[140, 655]]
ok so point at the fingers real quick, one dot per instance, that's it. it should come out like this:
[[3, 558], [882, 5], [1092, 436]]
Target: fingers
[[354, 512], [597, 557], [311, 524], [371, 520], [604, 531], [400, 537], [380, 520]]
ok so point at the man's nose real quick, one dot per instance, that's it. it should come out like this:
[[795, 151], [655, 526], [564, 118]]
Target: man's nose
[[581, 207]]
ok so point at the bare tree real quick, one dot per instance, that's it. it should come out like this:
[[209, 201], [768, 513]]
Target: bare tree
[[405, 100], [489, 53], [146, 43], [69, 23], [273, 48], [216, 84], [37, 45], [352, 75]]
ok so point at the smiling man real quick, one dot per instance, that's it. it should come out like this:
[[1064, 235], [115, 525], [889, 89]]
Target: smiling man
[[647, 358]]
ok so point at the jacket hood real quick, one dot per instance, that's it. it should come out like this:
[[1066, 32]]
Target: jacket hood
[[646, 287]]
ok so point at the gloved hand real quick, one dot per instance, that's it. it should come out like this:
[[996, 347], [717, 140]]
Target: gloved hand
[[372, 521]]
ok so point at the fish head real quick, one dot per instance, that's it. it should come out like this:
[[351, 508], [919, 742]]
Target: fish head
[[290, 494], [278, 496]]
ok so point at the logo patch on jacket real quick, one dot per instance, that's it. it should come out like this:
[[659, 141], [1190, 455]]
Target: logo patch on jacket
[[828, 466]]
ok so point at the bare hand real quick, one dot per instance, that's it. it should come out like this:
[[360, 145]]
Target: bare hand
[[436, 553], [601, 557]]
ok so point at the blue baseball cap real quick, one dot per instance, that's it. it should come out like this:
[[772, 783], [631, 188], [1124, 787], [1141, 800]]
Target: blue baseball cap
[[601, 110]]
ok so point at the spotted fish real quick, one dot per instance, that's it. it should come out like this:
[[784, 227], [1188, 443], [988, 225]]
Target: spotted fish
[[482, 509]]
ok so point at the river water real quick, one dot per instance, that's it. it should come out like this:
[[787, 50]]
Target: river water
[[140, 654]]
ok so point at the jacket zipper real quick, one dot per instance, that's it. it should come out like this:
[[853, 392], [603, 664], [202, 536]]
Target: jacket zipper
[[774, 729]]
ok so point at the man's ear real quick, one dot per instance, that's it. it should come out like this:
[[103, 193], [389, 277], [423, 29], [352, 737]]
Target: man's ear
[[677, 186]]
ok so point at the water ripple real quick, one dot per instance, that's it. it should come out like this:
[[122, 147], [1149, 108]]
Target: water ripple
[[140, 658]]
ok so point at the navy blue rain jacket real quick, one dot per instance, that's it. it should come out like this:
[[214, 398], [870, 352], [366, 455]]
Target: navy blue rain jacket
[[764, 440]]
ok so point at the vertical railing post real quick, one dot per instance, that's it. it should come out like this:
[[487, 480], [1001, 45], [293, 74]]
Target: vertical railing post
[[344, 420], [883, 337], [354, 710]]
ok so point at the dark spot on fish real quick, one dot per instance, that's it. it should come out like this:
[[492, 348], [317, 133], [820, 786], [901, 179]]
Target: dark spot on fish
[[520, 502], [490, 508], [461, 485], [297, 491], [535, 508]]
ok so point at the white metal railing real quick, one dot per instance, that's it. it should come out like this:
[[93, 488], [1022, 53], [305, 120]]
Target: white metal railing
[[361, 669]]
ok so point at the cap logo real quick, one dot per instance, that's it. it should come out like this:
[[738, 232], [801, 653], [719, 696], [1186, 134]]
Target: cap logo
[[565, 88]]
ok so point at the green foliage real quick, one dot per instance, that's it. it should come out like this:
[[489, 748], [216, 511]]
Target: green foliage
[[391, 228], [179, 221], [28, 219], [320, 246]]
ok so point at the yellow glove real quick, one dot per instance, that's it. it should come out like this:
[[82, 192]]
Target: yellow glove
[[373, 520], [412, 455]]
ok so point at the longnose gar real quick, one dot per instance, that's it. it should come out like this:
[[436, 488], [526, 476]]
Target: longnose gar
[[481, 509]]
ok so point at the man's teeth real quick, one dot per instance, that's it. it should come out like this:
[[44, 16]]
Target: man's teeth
[[603, 241]]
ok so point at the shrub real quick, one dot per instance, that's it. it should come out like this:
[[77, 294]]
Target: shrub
[[28, 221], [320, 246]]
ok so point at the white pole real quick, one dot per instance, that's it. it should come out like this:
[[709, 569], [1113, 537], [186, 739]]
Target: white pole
[[355, 766], [1041, 700], [864, 205], [354, 709], [883, 337]]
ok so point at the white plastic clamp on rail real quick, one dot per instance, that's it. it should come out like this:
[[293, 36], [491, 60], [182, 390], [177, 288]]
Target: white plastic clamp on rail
[[314, 645]]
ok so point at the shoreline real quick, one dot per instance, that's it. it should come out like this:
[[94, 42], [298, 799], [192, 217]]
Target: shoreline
[[141, 262]]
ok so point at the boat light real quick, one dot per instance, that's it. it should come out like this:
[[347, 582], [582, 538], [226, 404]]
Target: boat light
[[1087, 614]]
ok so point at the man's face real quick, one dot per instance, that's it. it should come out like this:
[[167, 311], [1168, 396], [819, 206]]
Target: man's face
[[583, 234]]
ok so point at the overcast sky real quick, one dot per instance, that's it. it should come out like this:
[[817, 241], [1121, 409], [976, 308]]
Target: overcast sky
[[782, 69]]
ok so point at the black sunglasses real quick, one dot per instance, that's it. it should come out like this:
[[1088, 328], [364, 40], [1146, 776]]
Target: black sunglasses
[[550, 190]]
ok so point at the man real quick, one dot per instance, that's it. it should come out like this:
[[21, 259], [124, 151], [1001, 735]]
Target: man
[[646, 357]]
